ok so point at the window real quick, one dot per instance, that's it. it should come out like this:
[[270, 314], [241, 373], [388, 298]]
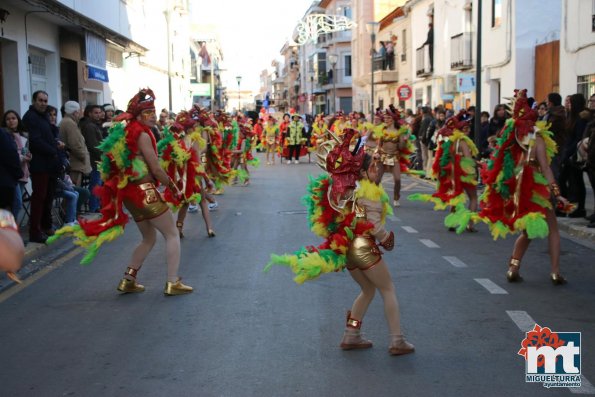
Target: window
[[404, 46], [38, 64], [586, 85], [347, 12], [347, 65], [497, 13], [593, 18]]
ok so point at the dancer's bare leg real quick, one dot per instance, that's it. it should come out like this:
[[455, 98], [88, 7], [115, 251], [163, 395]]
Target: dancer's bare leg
[[167, 227], [380, 277], [149, 237], [381, 169], [397, 178], [553, 241], [363, 300], [204, 209]]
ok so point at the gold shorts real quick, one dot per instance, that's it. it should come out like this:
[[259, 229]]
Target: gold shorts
[[271, 141], [388, 159], [363, 253], [153, 204]]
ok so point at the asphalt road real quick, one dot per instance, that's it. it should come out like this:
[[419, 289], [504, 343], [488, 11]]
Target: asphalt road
[[68, 332]]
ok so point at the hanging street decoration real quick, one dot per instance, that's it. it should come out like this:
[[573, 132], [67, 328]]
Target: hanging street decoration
[[314, 25]]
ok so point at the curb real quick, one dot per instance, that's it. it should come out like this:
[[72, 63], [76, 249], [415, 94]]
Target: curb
[[577, 228], [37, 257]]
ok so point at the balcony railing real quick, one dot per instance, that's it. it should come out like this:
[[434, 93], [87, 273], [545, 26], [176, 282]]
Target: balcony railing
[[384, 63], [424, 66], [460, 51]]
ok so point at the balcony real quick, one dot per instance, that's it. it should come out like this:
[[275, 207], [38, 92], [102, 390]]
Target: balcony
[[423, 66], [460, 52]]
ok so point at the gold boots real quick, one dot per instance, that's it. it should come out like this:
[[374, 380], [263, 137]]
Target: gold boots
[[513, 271], [176, 288], [352, 338], [399, 346], [127, 285]]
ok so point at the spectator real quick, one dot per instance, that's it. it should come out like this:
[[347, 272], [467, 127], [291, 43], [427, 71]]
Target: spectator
[[424, 139], [64, 160], [91, 129], [556, 117], [572, 184], [45, 166], [589, 153], [415, 128], [108, 110], [430, 43], [484, 135], [72, 137], [65, 189], [382, 55], [12, 122], [470, 118], [498, 119], [10, 169], [390, 55], [436, 124], [163, 120], [541, 111]]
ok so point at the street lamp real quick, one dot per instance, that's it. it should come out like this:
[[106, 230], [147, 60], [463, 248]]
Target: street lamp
[[372, 28], [332, 58], [312, 94], [239, 80]]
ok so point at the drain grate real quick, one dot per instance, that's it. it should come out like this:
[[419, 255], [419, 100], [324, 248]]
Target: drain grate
[[297, 212]]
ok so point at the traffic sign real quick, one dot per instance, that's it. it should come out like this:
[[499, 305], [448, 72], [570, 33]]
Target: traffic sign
[[404, 92]]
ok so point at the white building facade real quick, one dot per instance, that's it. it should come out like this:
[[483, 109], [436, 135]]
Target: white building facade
[[93, 52], [577, 48]]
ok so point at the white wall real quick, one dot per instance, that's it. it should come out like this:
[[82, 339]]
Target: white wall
[[577, 44], [43, 36], [112, 14], [509, 50]]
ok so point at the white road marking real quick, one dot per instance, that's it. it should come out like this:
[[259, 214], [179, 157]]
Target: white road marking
[[409, 229], [491, 286], [526, 324], [456, 262], [429, 243], [521, 319], [586, 387]]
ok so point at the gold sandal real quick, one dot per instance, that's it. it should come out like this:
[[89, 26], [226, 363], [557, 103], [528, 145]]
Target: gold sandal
[[513, 275], [557, 279]]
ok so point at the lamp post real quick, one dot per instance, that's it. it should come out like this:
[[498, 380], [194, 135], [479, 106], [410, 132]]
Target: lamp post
[[239, 80], [332, 58], [312, 94], [372, 28]]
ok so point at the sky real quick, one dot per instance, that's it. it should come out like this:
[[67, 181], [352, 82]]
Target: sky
[[251, 32]]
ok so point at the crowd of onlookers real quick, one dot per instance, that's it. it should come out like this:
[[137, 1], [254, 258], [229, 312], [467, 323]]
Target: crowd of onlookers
[[572, 124], [49, 170], [50, 165]]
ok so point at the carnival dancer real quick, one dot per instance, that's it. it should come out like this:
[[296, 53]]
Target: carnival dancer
[[179, 151], [229, 136], [130, 170], [319, 133], [337, 124], [348, 208], [271, 136], [373, 133], [216, 165], [454, 169], [283, 148], [395, 147], [520, 185], [242, 155]]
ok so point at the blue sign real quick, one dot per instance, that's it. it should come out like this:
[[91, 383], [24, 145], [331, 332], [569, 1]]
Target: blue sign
[[265, 103], [96, 73], [465, 82]]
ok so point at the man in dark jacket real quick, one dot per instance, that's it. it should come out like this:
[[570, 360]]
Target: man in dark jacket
[[45, 166], [424, 138], [91, 129], [10, 169], [556, 116]]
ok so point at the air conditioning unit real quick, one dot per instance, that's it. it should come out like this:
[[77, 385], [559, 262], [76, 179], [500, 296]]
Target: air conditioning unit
[[450, 84]]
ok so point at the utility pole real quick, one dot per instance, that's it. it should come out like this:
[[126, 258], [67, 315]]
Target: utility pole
[[478, 77]]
